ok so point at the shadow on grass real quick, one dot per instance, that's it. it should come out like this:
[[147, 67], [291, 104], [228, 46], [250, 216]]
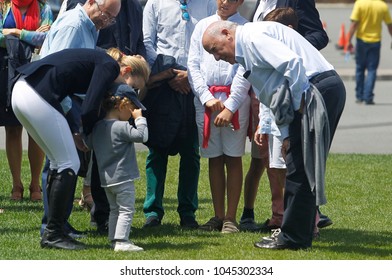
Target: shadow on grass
[[373, 244], [170, 203], [172, 230], [22, 206], [168, 236]]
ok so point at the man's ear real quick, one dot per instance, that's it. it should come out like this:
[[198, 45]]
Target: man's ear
[[227, 33], [91, 2]]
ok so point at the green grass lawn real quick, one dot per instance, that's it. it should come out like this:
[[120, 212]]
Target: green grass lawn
[[359, 191]]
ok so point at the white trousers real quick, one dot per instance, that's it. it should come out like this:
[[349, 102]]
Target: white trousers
[[46, 126]]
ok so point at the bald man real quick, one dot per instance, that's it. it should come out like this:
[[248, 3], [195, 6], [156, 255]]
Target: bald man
[[310, 108]]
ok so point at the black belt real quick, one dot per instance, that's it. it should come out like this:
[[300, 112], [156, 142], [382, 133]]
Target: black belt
[[322, 76]]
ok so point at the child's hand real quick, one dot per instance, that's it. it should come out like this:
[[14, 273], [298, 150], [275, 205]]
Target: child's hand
[[136, 113]]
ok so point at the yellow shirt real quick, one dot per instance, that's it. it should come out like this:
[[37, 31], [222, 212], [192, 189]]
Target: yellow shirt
[[370, 14]]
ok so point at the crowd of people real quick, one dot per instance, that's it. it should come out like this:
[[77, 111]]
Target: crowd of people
[[188, 78]]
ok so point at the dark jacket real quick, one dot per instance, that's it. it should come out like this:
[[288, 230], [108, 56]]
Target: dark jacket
[[127, 33], [170, 114], [68, 71], [16, 53], [309, 23]]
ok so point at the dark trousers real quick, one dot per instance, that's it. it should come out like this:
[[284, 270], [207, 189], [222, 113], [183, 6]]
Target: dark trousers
[[188, 178], [300, 203], [101, 207]]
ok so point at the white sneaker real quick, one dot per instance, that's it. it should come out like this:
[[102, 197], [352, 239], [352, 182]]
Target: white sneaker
[[127, 246]]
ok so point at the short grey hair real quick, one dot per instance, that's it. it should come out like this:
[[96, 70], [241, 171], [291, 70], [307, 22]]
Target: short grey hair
[[215, 28]]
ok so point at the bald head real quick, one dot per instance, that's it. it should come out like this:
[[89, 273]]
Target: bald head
[[102, 12], [219, 40]]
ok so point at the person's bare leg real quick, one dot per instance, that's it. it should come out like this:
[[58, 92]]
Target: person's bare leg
[[277, 179], [251, 186], [216, 171], [252, 181], [13, 147], [36, 159], [234, 186]]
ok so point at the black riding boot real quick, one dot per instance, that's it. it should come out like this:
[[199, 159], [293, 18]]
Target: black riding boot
[[49, 179], [59, 192]]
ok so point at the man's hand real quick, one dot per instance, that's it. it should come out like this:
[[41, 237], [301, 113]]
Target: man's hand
[[78, 139], [285, 147], [180, 82], [262, 143], [157, 79], [261, 139]]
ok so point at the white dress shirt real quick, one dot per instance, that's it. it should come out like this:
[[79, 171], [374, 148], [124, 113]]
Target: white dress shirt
[[264, 7], [166, 32], [273, 53]]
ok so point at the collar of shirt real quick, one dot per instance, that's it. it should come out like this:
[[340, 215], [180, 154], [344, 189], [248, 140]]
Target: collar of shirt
[[239, 53], [263, 9]]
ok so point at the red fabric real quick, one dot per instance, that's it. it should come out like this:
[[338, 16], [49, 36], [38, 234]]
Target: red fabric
[[250, 125], [32, 16], [253, 114], [207, 115]]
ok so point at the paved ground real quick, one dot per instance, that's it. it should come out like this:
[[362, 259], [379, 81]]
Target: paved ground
[[363, 129]]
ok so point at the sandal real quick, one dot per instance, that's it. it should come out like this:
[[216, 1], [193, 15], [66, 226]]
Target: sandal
[[214, 224], [17, 193], [229, 227], [35, 193]]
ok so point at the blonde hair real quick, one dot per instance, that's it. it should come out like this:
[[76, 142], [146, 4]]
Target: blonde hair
[[139, 66]]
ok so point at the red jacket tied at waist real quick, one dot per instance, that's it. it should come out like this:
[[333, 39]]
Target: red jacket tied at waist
[[207, 115]]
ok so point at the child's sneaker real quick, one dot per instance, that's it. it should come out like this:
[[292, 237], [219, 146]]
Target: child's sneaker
[[127, 246]]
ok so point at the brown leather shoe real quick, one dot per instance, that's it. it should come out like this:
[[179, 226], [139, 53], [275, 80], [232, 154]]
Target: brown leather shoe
[[35, 193], [17, 193]]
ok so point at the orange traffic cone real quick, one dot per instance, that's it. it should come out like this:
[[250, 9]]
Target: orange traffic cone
[[342, 38]]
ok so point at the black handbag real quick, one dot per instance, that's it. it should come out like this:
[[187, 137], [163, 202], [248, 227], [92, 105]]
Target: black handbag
[[3, 76], [18, 54]]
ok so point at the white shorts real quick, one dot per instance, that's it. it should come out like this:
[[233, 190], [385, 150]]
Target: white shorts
[[223, 140], [274, 144], [275, 153]]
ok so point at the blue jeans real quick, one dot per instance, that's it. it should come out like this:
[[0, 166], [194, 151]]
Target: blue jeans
[[367, 57]]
